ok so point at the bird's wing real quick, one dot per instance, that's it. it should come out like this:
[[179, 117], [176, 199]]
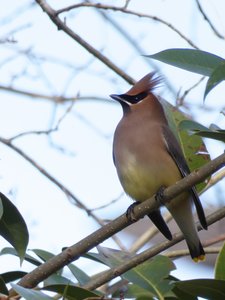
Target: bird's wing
[[175, 151]]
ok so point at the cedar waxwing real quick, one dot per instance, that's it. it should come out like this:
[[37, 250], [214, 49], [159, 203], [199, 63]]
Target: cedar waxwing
[[148, 157]]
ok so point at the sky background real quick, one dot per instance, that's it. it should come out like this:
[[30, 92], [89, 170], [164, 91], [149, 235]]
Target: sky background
[[46, 61]]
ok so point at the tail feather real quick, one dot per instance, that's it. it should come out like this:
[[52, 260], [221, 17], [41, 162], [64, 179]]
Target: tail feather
[[181, 210], [159, 222], [196, 251]]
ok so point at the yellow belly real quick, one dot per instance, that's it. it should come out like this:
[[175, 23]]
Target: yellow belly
[[141, 181]]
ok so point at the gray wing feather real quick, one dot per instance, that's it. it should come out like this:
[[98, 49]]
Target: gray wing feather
[[175, 152]]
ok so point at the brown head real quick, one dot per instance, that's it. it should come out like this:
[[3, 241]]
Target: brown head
[[141, 98]]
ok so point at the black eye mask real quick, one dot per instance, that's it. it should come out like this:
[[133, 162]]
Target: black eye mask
[[134, 98]]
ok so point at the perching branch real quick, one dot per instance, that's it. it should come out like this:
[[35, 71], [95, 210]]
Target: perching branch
[[74, 252]]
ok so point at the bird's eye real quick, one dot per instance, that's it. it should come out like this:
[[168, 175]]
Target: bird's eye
[[134, 98], [140, 96]]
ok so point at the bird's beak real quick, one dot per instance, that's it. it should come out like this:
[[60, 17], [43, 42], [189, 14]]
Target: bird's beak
[[116, 97]]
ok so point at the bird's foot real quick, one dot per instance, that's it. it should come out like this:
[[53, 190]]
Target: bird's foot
[[130, 212], [159, 196]]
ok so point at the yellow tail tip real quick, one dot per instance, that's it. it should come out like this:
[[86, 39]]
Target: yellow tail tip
[[199, 258]]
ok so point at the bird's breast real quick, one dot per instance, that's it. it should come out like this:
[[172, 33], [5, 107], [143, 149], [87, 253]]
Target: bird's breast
[[142, 171]]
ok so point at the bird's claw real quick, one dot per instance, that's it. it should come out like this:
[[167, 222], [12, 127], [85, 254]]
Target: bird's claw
[[160, 195], [130, 212]]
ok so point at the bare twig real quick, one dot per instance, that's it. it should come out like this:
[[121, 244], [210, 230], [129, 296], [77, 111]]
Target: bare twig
[[206, 18], [180, 99], [54, 99], [185, 252], [72, 253], [126, 11], [46, 132], [127, 2], [53, 15], [69, 194], [214, 240], [108, 204], [214, 179]]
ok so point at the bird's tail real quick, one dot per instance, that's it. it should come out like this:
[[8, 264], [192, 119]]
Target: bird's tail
[[181, 210]]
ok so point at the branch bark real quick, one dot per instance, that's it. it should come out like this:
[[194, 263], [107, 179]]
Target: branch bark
[[74, 252]]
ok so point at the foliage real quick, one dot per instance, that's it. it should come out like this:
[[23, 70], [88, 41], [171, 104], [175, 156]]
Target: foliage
[[196, 61]]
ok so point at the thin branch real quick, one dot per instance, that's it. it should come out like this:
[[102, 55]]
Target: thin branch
[[46, 132], [180, 99], [214, 179], [68, 193], [126, 11], [214, 240], [54, 99], [108, 204], [53, 15], [72, 253], [185, 252], [206, 18]]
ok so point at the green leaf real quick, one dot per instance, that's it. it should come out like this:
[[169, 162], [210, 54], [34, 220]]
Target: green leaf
[[29, 294], [215, 78], [220, 264], [43, 254], [210, 289], [134, 291], [196, 61], [71, 292], [93, 256], [3, 287], [1, 209], [13, 227], [198, 129], [193, 147], [56, 279], [113, 257], [184, 295], [27, 257], [152, 275], [80, 275], [12, 276]]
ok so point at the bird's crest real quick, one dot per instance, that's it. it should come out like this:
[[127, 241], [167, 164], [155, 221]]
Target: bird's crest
[[145, 85]]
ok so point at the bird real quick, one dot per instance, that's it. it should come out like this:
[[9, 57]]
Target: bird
[[149, 158]]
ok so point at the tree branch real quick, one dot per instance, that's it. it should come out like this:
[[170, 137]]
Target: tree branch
[[206, 18], [68, 193], [124, 9], [74, 252], [53, 15]]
